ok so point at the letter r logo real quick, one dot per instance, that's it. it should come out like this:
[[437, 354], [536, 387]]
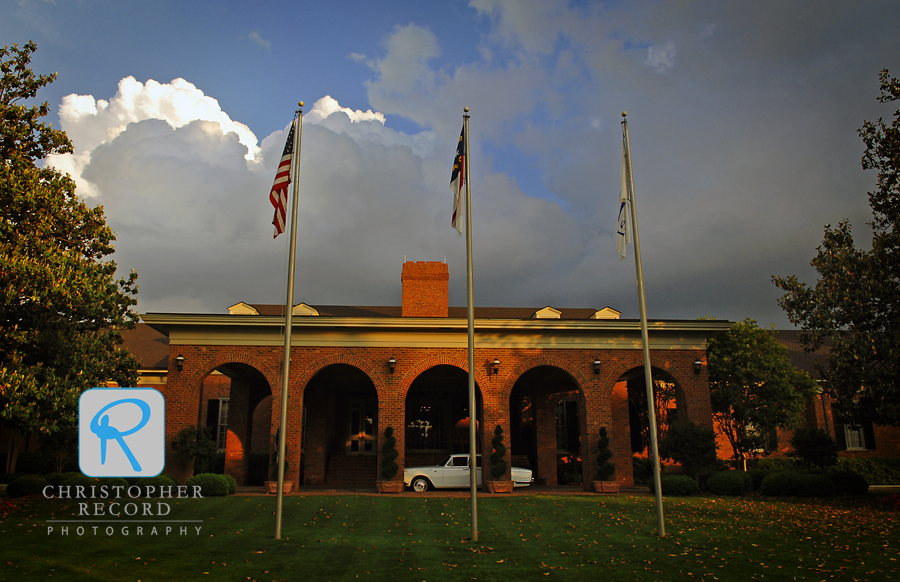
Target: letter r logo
[[121, 432]]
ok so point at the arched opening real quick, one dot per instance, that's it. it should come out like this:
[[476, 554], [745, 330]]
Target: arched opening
[[233, 409], [669, 405], [338, 443], [547, 419], [437, 415]]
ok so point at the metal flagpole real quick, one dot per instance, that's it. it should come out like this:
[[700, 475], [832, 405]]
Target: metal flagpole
[[288, 308], [648, 377], [473, 460]]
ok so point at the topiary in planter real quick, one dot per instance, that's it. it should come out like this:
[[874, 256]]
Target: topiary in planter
[[606, 470], [389, 455], [498, 457]]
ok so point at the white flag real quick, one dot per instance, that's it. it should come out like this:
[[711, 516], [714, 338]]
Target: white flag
[[623, 232]]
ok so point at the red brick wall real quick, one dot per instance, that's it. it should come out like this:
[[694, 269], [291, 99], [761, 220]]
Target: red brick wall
[[601, 405], [425, 289]]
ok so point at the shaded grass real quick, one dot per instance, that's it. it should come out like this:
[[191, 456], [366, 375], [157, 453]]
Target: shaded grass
[[412, 538]]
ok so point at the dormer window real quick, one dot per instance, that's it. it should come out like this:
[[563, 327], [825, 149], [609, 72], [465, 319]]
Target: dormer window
[[546, 313]]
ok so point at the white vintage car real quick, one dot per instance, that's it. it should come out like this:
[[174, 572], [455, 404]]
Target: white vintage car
[[453, 472]]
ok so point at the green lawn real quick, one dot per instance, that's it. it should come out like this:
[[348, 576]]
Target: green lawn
[[395, 538]]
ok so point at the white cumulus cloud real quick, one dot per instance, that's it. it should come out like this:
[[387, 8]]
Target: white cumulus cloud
[[91, 122]]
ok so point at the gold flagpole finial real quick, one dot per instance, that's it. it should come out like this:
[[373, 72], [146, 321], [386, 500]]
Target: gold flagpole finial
[[624, 114]]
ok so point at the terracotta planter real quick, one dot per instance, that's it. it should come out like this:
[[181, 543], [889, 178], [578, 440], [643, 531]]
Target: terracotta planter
[[389, 486], [499, 486], [272, 486], [606, 486]]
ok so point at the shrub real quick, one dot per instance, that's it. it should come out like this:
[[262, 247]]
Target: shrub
[[876, 470], [76, 479], [729, 483], [796, 484], [26, 485], [55, 478], [111, 482], [155, 482], [605, 470], [814, 448], [232, 484], [10, 477], [692, 446], [772, 464], [676, 485], [757, 476], [848, 482], [211, 484]]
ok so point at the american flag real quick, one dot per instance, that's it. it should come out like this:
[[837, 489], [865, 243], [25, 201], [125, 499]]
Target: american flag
[[458, 179], [278, 195]]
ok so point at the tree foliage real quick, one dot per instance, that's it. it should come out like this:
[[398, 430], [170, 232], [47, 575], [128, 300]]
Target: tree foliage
[[854, 308], [194, 447], [814, 448], [694, 447], [753, 387], [60, 305]]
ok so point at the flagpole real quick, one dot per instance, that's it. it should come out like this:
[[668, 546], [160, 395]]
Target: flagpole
[[473, 464], [288, 324], [648, 376]]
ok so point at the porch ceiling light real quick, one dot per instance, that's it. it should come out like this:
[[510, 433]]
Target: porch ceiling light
[[597, 367], [392, 363], [179, 362], [698, 365]]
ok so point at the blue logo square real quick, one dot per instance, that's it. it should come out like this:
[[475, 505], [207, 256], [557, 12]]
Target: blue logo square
[[121, 432]]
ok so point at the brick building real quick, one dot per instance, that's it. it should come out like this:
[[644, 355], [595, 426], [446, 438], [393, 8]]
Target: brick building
[[854, 439], [550, 377]]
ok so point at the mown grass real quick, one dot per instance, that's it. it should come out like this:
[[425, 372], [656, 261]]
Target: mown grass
[[406, 537]]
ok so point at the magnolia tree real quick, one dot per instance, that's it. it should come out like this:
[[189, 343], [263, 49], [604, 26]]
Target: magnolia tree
[[61, 305], [854, 308], [753, 387]]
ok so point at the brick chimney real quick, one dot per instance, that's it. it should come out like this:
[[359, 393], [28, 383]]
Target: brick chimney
[[425, 289]]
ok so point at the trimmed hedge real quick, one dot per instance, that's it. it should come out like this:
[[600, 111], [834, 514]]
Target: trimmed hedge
[[797, 484], [676, 485], [211, 484], [26, 485], [729, 483], [875, 470]]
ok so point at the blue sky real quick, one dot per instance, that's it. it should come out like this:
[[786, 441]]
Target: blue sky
[[743, 120]]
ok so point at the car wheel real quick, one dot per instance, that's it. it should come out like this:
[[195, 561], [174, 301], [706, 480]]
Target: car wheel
[[420, 484]]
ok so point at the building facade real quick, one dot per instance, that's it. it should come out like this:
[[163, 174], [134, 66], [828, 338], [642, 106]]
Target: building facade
[[549, 377]]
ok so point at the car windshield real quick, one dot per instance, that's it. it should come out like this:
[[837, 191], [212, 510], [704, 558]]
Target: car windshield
[[444, 462]]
